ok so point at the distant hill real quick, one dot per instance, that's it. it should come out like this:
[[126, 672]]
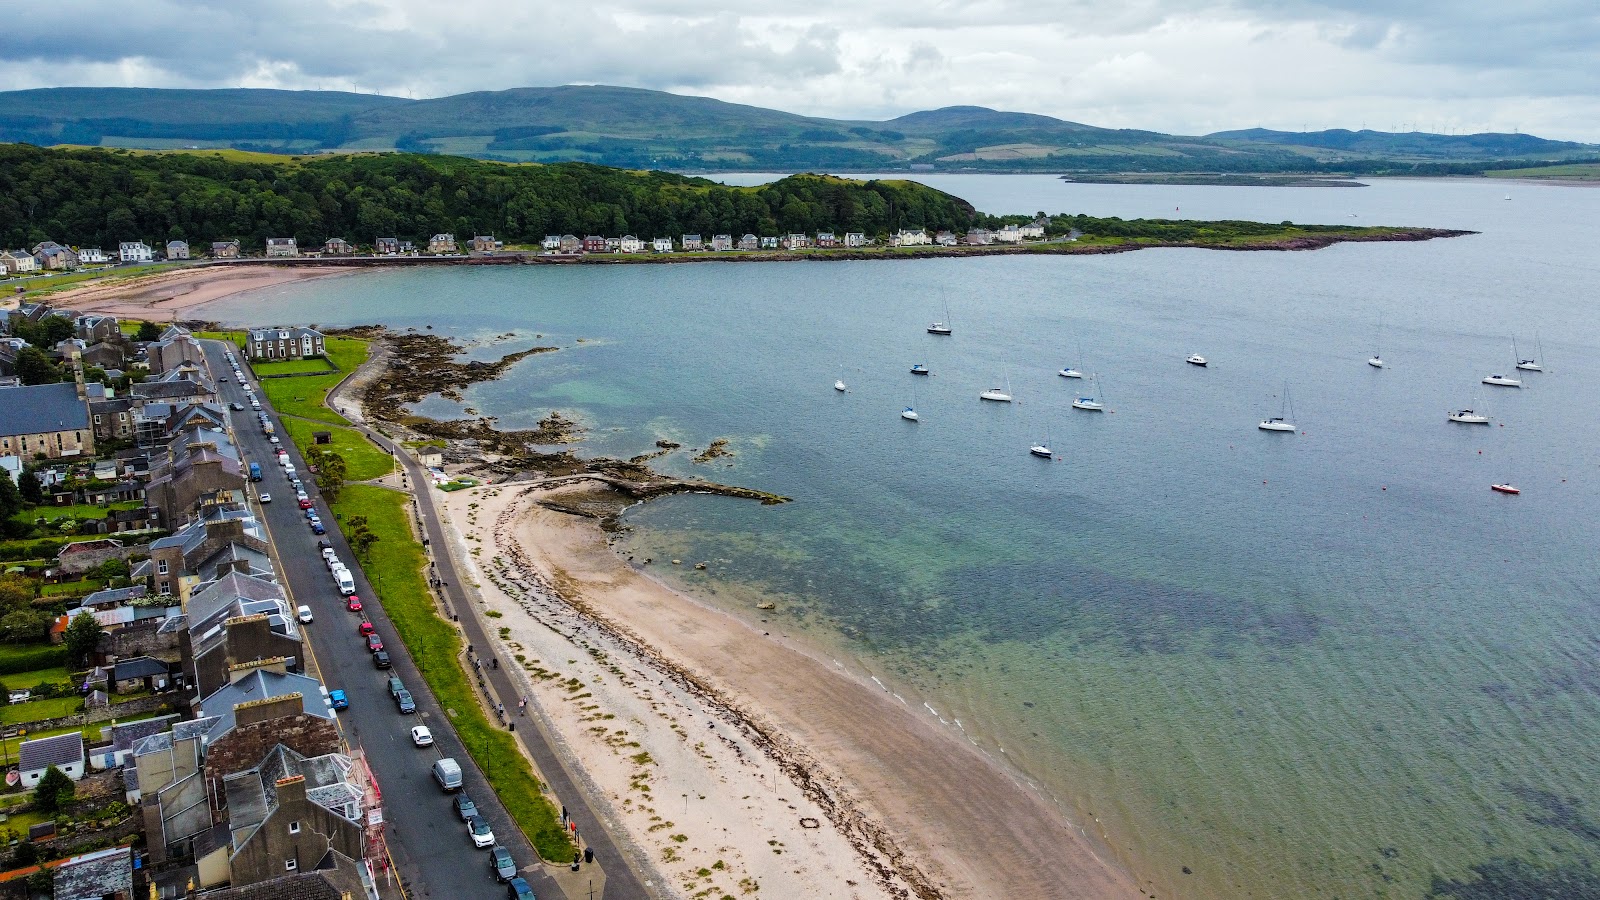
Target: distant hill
[[634, 128], [1411, 143]]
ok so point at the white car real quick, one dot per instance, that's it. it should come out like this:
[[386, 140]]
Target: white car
[[266, 497], [304, 614], [421, 736], [482, 834], [273, 439]]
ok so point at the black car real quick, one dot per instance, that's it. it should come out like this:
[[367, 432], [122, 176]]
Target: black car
[[380, 659], [518, 889], [465, 808], [505, 868], [324, 545], [236, 407]]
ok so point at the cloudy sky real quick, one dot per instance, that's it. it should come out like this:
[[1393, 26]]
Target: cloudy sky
[[1166, 65]]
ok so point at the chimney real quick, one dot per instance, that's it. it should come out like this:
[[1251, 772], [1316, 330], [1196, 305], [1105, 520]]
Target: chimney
[[77, 374]]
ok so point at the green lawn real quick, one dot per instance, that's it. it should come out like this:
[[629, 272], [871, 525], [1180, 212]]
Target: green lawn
[[236, 338], [292, 366], [52, 283], [72, 588], [71, 511], [28, 658], [1574, 172], [362, 459], [304, 396], [21, 680], [395, 569], [35, 710]]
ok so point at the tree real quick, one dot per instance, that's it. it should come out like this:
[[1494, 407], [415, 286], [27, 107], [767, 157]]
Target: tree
[[54, 790], [33, 367], [29, 487], [330, 473], [359, 535], [24, 626], [10, 498], [82, 638], [16, 592], [148, 331]]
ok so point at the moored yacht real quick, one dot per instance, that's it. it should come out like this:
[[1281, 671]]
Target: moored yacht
[[919, 369], [1041, 451], [1468, 417], [1502, 381], [1070, 372], [909, 414], [840, 386], [1196, 359], [995, 394], [939, 328]]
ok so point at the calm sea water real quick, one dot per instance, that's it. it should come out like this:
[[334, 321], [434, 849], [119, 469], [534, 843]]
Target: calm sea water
[[1331, 664]]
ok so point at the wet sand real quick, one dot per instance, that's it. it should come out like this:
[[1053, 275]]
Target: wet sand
[[177, 295]]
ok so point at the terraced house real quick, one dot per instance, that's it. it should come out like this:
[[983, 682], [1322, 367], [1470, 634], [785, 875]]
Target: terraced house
[[284, 343]]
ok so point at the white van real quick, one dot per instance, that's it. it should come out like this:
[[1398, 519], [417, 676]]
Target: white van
[[304, 614], [347, 585], [448, 773]]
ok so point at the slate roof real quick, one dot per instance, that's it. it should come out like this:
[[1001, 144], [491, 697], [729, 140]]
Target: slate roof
[[260, 684], [42, 408], [125, 736], [60, 750], [91, 876], [139, 667]]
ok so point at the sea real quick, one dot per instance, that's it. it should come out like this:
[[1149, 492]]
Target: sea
[[1330, 663]]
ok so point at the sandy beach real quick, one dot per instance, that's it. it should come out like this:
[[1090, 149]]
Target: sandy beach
[[730, 754], [177, 295]]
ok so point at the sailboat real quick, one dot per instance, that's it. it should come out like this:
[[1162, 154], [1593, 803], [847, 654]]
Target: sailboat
[[1090, 403], [1499, 380], [1527, 365], [1042, 449], [1070, 372], [919, 369], [944, 326], [840, 386], [910, 412], [1280, 422], [1377, 354], [997, 395], [1468, 417]]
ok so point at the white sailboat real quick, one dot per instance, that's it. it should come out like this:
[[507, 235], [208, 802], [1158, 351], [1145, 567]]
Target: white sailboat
[[1280, 422], [1528, 365], [1468, 417], [997, 395], [1499, 380], [840, 386], [1091, 404], [1377, 352], [943, 327], [1042, 449], [1070, 372], [910, 412]]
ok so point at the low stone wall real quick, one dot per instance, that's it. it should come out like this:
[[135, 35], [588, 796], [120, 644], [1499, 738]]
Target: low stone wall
[[152, 703]]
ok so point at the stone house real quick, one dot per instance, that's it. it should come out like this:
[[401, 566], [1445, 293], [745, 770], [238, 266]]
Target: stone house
[[594, 243], [386, 246], [485, 243], [827, 239], [691, 242], [282, 247], [722, 242], [52, 257], [177, 249], [293, 342], [749, 242], [442, 243], [81, 556], [570, 243], [224, 249], [50, 420], [293, 812], [337, 247]]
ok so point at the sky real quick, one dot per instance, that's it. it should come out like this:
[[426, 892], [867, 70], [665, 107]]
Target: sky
[[1178, 67]]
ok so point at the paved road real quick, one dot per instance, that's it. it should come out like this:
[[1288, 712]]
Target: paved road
[[433, 855], [622, 881]]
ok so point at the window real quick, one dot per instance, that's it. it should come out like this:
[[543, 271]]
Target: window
[[97, 419], [161, 567], [164, 588], [294, 827], [290, 865]]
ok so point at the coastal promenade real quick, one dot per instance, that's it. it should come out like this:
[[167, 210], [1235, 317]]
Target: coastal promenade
[[621, 880]]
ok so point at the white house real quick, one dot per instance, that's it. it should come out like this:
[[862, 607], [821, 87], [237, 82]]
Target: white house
[[132, 251], [855, 239], [909, 238], [93, 256], [661, 245], [946, 239], [1010, 234], [630, 244], [1034, 229], [551, 243], [282, 247], [64, 751], [19, 262], [769, 242]]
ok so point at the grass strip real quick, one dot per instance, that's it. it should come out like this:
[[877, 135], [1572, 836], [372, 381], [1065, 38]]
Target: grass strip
[[394, 566], [362, 459], [314, 365]]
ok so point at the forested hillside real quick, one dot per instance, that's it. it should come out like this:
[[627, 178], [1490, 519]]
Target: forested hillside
[[102, 197]]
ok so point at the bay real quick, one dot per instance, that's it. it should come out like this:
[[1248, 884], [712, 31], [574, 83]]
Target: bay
[[1323, 664]]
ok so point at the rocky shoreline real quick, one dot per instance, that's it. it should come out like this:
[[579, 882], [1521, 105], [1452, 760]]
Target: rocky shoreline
[[416, 365]]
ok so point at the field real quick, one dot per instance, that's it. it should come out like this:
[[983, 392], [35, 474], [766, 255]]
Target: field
[[1580, 172], [305, 396], [362, 459], [292, 366], [395, 567]]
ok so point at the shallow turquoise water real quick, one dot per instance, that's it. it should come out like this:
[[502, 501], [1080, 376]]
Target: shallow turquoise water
[[1330, 664]]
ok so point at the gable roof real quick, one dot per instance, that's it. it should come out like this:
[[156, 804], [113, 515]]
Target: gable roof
[[104, 873], [139, 667], [42, 753], [40, 408]]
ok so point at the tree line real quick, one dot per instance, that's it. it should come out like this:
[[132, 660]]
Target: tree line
[[102, 197]]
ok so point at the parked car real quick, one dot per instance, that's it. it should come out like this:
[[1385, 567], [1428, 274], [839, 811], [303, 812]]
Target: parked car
[[505, 868], [405, 702], [465, 808], [305, 504], [340, 701], [304, 614], [365, 628], [518, 889], [316, 527], [482, 834], [380, 660], [421, 736], [355, 604], [374, 643], [236, 407], [324, 545], [266, 497], [395, 685]]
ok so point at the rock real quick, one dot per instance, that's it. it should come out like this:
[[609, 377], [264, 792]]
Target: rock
[[766, 605], [700, 566], [677, 562]]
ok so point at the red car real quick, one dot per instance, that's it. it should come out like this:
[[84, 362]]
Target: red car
[[365, 628], [306, 504], [374, 643], [355, 603]]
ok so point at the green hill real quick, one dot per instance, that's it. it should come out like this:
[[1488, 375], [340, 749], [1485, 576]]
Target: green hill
[[634, 128], [100, 197]]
